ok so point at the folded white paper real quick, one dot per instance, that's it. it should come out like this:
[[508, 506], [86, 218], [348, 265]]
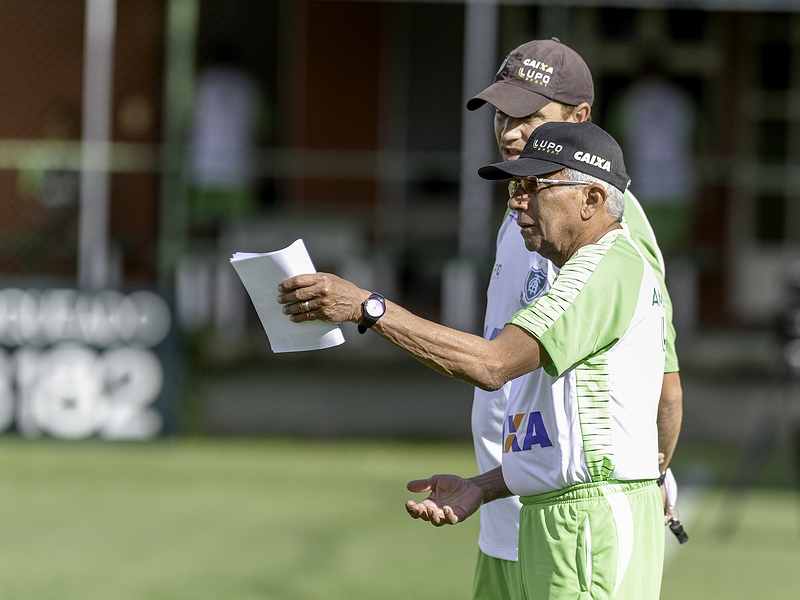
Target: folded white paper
[[261, 274]]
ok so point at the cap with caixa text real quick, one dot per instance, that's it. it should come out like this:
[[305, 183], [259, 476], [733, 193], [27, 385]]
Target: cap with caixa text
[[535, 74], [553, 146]]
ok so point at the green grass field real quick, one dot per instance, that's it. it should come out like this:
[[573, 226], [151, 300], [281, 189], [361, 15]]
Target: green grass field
[[303, 520]]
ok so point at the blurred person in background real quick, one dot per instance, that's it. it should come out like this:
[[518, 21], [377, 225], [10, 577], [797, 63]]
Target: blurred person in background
[[228, 110], [586, 358], [655, 121]]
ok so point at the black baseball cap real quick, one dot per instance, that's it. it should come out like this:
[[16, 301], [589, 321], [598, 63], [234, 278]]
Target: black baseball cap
[[535, 74], [553, 146]]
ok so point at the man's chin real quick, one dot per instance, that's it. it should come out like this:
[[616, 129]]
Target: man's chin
[[530, 244]]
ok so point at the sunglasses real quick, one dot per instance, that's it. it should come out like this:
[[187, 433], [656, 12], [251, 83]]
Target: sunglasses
[[529, 184]]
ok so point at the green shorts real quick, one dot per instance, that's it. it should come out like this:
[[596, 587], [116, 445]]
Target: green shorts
[[495, 579], [598, 541]]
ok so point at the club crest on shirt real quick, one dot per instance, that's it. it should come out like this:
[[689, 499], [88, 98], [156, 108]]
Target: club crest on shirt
[[534, 286]]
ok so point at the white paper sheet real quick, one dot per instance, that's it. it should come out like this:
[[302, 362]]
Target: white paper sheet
[[261, 274]]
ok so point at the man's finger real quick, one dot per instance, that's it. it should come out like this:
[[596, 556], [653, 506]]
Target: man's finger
[[450, 515], [413, 509], [297, 281], [419, 485], [417, 511], [433, 515]]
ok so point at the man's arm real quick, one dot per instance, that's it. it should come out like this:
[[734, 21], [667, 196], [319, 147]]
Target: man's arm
[[482, 363], [670, 414], [454, 498]]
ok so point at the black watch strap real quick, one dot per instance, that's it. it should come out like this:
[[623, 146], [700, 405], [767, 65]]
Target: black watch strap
[[368, 320]]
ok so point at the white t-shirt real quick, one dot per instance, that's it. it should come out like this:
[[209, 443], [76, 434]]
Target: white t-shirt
[[518, 277]]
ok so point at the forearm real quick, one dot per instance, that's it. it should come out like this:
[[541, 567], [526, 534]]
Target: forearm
[[492, 485], [457, 354], [670, 415], [482, 363]]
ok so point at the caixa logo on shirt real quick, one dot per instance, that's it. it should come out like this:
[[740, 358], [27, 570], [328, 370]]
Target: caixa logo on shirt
[[534, 286], [531, 433]]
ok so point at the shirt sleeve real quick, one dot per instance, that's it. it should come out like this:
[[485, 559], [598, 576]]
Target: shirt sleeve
[[642, 235], [590, 305]]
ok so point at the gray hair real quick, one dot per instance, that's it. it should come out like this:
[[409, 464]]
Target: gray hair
[[615, 199]]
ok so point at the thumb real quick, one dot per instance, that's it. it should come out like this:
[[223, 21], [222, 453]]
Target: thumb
[[420, 485]]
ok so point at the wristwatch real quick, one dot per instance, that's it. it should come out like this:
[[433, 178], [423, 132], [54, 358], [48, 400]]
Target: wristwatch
[[373, 309]]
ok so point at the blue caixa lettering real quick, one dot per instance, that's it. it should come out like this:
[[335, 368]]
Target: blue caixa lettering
[[535, 433]]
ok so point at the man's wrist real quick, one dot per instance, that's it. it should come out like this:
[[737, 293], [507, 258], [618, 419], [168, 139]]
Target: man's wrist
[[492, 485], [372, 309]]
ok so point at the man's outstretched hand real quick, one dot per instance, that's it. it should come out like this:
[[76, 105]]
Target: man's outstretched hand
[[452, 499]]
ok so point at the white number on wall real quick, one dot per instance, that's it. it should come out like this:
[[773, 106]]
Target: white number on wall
[[134, 378], [71, 392]]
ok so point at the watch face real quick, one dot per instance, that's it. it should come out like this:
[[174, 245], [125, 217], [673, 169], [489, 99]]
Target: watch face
[[374, 308]]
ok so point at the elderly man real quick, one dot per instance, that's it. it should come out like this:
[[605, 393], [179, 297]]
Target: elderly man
[[580, 440]]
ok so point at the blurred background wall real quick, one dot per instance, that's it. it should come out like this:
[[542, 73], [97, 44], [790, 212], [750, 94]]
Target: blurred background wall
[[144, 141]]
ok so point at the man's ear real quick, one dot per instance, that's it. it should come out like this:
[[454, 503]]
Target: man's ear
[[593, 202], [582, 112]]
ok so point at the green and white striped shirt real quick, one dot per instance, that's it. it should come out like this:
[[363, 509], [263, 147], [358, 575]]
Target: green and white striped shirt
[[591, 415]]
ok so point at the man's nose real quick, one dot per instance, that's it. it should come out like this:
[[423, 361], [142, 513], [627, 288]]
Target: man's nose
[[517, 202], [510, 130]]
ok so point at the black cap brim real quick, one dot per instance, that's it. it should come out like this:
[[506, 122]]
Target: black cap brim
[[510, 99], [522, 167]]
